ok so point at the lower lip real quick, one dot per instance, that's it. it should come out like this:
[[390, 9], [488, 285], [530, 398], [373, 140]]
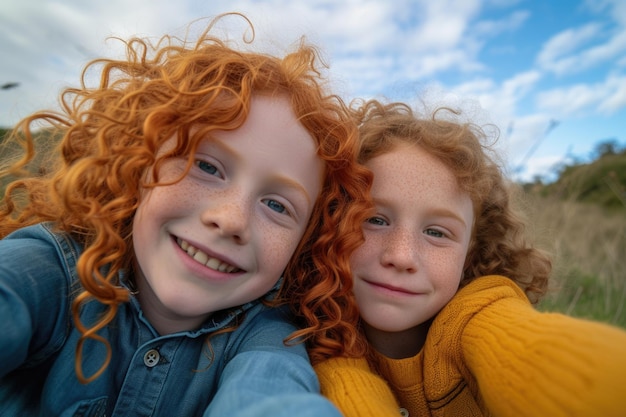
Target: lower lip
[[390, 291], [201, 270]]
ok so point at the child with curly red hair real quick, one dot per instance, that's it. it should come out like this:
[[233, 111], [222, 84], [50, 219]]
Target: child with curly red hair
[[445, 283], [140, 272]]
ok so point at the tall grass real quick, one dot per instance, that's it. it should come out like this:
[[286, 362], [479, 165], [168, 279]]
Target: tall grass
[[588, 243]]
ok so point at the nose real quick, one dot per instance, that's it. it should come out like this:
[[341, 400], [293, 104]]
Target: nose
[[401, 252], [229, 216]]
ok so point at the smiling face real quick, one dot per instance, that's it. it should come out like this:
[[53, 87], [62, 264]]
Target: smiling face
[[415, 246], [223, 235]]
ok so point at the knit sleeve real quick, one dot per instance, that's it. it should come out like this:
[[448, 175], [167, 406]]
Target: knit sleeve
[[529, 363], [355, 389]]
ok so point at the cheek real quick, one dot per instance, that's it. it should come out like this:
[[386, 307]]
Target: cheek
[[364, 253], [161, 204], [451, 270], [183, 194], [278, 247], [278, 244], [144, 208]]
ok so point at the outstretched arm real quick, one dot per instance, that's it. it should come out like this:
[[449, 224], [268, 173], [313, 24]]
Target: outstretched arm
[[529, 363], [548, 364]]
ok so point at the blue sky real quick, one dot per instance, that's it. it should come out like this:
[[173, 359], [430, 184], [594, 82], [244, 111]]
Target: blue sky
[[551, 75]]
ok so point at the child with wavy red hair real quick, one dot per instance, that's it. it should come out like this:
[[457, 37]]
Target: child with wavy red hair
[[445, 283], [140, 273]]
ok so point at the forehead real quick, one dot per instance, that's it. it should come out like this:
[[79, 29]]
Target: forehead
[[273, 141], [410, 159], [411, 170]]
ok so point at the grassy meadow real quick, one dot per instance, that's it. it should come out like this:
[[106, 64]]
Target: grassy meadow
[[580, 219], [588, 244]]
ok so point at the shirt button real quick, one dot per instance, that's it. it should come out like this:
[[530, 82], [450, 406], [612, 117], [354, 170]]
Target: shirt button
[[404, 412], [151, 358]]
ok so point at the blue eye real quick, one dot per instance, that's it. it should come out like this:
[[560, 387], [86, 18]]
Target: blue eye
[[207, 167], [276, 206], [434, 233], [377, 221]]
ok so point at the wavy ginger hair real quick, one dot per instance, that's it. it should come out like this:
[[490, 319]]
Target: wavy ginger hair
[[110, 138], [498, 245]]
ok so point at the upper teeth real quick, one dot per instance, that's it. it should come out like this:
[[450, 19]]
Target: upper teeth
[[205, 259]]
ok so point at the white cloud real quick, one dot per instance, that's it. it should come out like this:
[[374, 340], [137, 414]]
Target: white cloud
[[411, 45], [542, 166], [523, 139], [510, 24], [500, 100], [49, 43], [577, 49], [554, 53], [520, 84], [615, 99], [617, 9], [520, 135], [605, 97], [569, 100], [442, 24], [613, 48], [503, 3]]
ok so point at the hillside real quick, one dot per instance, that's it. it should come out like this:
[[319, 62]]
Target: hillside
[[601, 182]]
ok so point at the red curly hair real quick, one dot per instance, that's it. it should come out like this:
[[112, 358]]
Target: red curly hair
[[110, 138], [498, 245]]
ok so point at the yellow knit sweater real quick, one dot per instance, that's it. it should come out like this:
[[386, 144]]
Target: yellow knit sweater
[[490, 353]]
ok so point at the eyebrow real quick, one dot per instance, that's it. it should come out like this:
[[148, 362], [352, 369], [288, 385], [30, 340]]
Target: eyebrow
[[288, 182], [444, 212]]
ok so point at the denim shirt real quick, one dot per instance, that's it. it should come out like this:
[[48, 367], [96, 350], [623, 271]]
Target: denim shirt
[[246, 372]]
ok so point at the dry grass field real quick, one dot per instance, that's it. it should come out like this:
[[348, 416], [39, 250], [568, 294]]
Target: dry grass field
[[588, 243]]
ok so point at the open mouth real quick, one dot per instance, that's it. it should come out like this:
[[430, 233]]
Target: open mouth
[[205, 259]]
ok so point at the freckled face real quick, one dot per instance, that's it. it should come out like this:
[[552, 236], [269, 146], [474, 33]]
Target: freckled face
[[415, 246], [223, 235]]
